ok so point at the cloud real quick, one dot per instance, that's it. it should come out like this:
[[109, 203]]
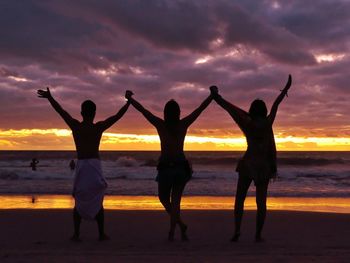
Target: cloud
[[175, 49]]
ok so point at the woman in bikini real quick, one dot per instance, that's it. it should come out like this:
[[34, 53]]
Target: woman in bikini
[[174, 171], [258, 163]]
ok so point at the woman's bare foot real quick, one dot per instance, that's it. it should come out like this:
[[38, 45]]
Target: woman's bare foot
[[103, 237], [171, 236], [184, 236], [235, 237]]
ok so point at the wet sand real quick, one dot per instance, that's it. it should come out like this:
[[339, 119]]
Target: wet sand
[[140, 236]]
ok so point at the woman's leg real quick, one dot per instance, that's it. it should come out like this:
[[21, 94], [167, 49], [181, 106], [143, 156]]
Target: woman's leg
[[261, 195], [164, 190], [176, 196], [241, 193], [100, 219]]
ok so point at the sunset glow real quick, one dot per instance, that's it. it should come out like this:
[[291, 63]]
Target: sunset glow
[[48, 139]]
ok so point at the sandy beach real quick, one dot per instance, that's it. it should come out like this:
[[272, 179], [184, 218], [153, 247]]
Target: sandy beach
[[140, 236]]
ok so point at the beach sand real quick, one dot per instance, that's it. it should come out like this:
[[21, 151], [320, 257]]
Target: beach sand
[[140, 236]]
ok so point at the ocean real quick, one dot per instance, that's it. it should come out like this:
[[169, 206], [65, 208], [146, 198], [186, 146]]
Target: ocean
[[301, 174]]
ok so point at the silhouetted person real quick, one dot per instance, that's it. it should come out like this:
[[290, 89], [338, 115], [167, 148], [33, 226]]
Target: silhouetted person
[[33, 164], [174, 171], [72, 165], [89, 183], [259, 161]]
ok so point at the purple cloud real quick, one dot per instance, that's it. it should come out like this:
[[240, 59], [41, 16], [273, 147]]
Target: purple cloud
[[175, 49]]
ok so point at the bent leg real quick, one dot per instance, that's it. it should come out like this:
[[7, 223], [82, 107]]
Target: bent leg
[[241, 193], [176, 196], [261, 195], [164, 190]]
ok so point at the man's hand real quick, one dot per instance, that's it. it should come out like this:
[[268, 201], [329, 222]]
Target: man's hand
[[128, 94], [44, 93]]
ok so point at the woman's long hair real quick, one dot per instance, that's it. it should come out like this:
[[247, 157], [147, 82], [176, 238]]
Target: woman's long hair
[[258, 109], [171, 114]]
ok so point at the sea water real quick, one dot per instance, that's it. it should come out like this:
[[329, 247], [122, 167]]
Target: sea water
[[132, 173]]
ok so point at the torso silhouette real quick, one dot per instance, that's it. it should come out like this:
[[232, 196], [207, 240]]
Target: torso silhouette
[[171, 139], [87, 136], [259, 135]]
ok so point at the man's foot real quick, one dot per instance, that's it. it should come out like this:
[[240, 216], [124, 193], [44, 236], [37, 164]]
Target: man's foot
[[103, 237], [184, 236], [75, 238], [171, 236], [235, 237]]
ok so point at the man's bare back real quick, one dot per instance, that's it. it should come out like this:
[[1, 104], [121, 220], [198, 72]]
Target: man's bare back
[[87, 135]]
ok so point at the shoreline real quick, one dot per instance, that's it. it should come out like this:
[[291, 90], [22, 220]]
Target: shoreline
[[339, 205]]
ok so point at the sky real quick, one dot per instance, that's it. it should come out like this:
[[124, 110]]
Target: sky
[[165, 50]]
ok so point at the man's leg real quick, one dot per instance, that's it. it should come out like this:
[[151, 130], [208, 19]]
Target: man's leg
[[100, 219], [77, 221]]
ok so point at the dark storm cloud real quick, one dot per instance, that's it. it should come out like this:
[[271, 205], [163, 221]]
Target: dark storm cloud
[[174, 49]]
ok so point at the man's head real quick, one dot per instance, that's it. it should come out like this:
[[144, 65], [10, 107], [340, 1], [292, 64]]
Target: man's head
[[88, 109]]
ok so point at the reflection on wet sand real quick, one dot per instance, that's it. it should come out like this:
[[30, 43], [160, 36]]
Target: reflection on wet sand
[[331, 205]]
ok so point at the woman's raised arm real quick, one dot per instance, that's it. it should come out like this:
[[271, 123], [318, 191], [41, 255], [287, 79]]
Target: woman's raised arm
[[188, 120], [238, 115], [154, 120], [279, 99]]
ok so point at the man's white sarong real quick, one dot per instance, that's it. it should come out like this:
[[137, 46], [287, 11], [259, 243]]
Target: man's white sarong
[[89, 187]]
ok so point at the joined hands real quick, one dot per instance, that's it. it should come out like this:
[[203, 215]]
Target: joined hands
[[128, 94]]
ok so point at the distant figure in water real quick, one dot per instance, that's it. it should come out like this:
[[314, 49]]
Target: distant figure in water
[[174, 171], [259, 161], [33, 164], [33, 199], [89, 183], [72, 165]]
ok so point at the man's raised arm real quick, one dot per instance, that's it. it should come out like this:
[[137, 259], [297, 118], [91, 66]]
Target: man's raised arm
[[46, 94], [113, 119]]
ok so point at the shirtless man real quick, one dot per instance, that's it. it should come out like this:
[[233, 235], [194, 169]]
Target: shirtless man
[[89, 183]]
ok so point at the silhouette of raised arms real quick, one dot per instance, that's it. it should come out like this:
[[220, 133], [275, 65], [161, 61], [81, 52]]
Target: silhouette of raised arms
[[103, 125], [238, 115], [279, 99], [187, 121], [65, 115], [147, 114]]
